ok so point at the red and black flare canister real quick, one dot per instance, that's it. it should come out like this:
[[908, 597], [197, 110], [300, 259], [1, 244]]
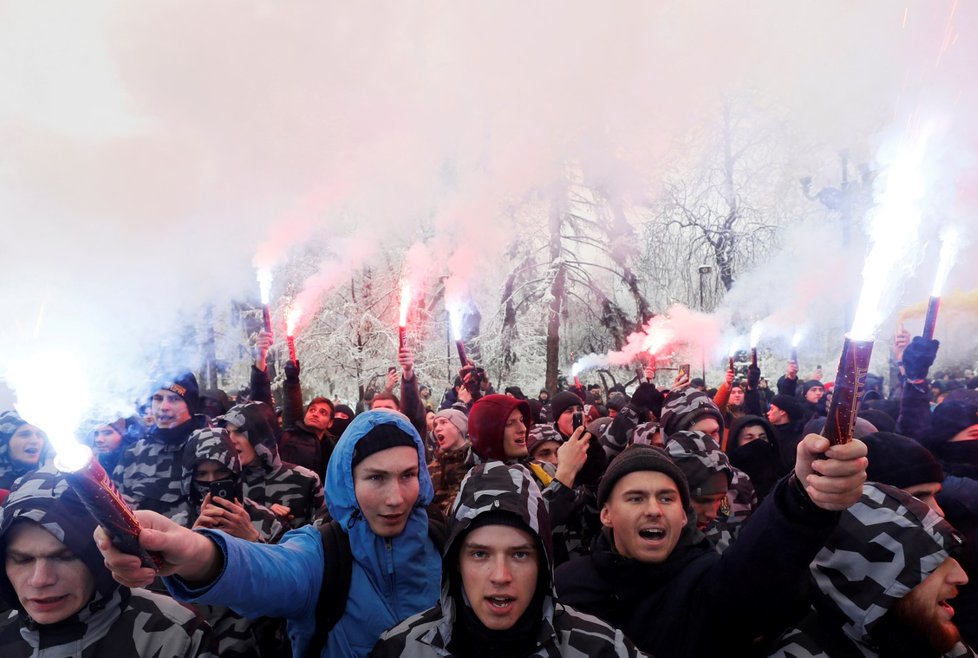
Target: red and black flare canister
[[730, 366], [266, 313], [290, 340], [930, 320], [794, 355], [102, 499], [850, 383], [401, 336], [753, 356]]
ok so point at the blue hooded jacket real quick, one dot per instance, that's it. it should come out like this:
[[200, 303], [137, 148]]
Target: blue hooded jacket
[[392, 578]]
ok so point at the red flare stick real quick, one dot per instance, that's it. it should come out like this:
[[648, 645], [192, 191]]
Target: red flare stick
[[290, 339], [577, 381], [267, 315], [101, 498], [794, 355], [461, 353], [849, 385], [731, 364], [933, 306], [753, 356], [401, 336]]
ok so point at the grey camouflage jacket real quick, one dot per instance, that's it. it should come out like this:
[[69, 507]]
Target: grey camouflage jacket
[[117, 621], [884, 546], [491, 487]]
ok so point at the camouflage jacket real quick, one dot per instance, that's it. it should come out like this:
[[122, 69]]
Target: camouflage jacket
[[447, 470], [133, 623], [885, 545], [496, 487], [268, 480], [150, 474]]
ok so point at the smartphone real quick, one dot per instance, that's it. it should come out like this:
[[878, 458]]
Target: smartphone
[[226, 489], [391, 370], [577, 420], [684, 370]]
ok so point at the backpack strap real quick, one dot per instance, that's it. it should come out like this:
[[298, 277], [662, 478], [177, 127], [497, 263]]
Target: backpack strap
[[335, 588], [338, 574]]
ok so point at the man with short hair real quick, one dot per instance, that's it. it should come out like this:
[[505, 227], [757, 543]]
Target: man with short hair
[[652, 575], [497, 574], [377, 489], [787, 415], [150, 472], [64, 601], [882, 584]]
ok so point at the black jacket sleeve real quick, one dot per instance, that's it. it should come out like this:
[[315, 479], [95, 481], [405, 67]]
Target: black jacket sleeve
[[914, 418], [261, 387]]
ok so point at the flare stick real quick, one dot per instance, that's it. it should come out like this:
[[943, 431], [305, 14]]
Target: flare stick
[[267, 315], [461, 353], [290, 339], [849, 386], [101, 498], [930, 320]]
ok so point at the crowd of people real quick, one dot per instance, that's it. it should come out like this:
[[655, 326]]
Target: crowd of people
[[628, 521]]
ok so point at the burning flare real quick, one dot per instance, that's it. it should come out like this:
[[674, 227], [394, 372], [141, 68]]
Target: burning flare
[[950, 243], [265, 284], [292, 320], [405, 303]]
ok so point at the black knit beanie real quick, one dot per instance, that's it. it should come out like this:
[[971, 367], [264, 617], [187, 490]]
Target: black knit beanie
[[790, 405], [948, 419], [641, 458], [562, 402], [900, 461], [380, 438]]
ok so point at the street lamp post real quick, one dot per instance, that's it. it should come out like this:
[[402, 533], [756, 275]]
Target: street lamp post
[[704, 270]]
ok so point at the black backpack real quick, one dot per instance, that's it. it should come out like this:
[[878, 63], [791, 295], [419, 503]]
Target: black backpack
[[338, 572]]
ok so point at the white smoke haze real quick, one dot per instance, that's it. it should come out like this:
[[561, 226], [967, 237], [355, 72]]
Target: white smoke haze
[[154, 153]]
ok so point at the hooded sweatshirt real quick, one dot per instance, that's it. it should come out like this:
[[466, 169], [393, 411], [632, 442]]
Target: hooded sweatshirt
[[547, 628], [268, 480], [884, 546], [11, 469], [392, 579], [117, 621]]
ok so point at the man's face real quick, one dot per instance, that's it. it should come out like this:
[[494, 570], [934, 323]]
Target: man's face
[[211, 470], [814, 394], [646, 515], [544, 396], [707, 508], [246, 451], [927, 493], [708, 425], [514, 436], [751, 433], [499, 566], [107, 439], [384, 404], [51, 582], [736, 396], [776, 416], [447, 434], [926, 611], [546, 452], [967, 434], [565, 421], [169, 409], [26, 444], [319, 416], [386, 487]]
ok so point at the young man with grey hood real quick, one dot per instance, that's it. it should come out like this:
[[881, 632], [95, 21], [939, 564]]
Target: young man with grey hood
[[64, 601], [882, 583], [497, 583]]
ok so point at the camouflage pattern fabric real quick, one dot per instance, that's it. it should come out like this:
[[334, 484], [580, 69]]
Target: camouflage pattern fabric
[[150, 474], [447, 470], [268, 480], [236, 636], [683, 408], [884, 546], [117, 621], [699, 456], [488, 488], [9, 470]]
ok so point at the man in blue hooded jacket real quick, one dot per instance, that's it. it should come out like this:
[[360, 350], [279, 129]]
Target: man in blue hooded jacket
[[377, 488]]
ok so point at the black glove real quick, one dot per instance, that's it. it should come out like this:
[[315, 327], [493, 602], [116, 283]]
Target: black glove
[[753, 377], [919, 357], [292, 371]]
